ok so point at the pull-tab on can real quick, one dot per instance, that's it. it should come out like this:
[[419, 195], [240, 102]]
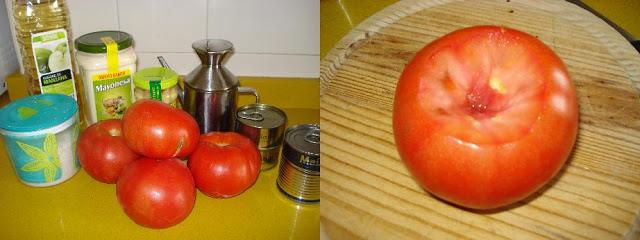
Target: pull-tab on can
[[299, 177]]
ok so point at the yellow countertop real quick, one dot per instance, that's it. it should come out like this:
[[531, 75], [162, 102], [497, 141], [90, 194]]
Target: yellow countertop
[[82, 208], [338, 17]]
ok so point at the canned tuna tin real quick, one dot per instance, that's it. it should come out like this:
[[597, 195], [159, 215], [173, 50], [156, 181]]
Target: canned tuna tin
[[299, 176], [264, 125]]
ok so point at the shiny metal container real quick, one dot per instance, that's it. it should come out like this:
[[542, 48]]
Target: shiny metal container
[[269, 157], [211, 90], [263, 124], [299, 176]]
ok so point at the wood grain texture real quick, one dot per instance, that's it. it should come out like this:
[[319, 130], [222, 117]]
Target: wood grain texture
[[368, 193]]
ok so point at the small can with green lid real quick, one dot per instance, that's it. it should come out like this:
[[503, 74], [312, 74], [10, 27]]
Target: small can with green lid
[[106, 61], [40, 134], [156, 83]]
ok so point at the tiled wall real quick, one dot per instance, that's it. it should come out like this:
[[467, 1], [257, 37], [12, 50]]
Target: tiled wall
[[277, 38]]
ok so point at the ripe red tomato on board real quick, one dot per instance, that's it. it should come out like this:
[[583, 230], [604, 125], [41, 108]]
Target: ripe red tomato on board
[[156, 193], [485, 116], [103, 152], [157, 130], [225, 164]]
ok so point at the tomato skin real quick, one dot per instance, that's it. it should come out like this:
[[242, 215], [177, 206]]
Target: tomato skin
[[488, 157], [157, 130], [103, 152], [225, 164], [156, 193]]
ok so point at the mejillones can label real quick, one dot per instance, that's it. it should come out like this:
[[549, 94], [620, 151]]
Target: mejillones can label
[[299, 176], [264, 125]]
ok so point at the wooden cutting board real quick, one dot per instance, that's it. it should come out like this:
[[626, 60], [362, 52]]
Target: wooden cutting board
[[366, 190]]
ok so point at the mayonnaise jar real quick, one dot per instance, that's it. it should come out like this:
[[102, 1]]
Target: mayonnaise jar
[[106, 61]]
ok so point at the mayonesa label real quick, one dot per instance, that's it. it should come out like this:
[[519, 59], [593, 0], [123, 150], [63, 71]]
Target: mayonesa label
[[112, 93], [53, 62]]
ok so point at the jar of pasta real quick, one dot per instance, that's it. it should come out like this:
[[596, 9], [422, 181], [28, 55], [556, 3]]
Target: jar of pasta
[[156, 83]]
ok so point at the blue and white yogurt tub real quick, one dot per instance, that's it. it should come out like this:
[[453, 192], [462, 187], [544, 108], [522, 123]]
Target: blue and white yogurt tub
[[40, 134]]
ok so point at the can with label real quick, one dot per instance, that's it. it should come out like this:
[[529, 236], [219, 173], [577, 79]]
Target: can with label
[[263, 124], [299, 176]]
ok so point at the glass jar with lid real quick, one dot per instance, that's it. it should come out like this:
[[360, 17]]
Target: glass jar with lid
[[156, 83], [106, 61]]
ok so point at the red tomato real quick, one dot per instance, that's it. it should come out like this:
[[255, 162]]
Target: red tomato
[[485, 116], [157, 130], [225, 164], [156, 193], [103, 152]]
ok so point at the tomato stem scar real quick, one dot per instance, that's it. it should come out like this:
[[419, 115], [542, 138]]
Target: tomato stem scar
[[114, 132], [497, 85], [480, 101]]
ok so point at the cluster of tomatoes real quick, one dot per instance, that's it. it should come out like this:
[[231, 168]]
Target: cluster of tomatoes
[[142, 154]]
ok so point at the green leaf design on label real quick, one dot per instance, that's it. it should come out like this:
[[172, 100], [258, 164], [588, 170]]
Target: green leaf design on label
[[50, 174], [34, 166], [51, 148], [26, 112], [33, 152], [45, 159]]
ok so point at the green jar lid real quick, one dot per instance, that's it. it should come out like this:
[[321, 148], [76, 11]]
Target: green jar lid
[[92, 43], [167, 77]]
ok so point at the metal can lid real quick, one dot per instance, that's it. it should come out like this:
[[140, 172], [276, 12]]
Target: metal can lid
[[260, 115], [302, 146]]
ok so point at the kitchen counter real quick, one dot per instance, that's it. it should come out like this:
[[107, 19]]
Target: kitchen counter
[[83, 208]]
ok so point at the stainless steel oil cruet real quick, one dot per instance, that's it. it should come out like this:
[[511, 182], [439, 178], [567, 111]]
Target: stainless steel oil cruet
[[211, 90]]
